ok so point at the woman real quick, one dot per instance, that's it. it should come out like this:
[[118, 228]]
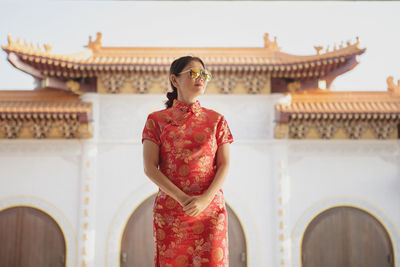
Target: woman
[[186, 154]]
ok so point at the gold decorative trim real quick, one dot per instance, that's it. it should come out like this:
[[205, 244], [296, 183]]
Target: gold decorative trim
[[148, 83], [300, 127], [41, 128]]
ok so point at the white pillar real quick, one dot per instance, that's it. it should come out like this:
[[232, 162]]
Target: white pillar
[[87, 224], [281, 203]]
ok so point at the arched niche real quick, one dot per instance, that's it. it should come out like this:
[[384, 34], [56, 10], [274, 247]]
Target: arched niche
[[55, 213], [30, 238], [346, 236]]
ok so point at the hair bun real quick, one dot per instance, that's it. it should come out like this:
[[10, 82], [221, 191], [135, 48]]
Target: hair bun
[[170, 95]]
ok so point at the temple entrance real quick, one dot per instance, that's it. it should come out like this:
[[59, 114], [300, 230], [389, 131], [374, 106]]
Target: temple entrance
[[137, 241], [346, 237], [30, 238]]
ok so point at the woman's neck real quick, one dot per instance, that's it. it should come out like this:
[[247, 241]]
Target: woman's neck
[[187, 100]]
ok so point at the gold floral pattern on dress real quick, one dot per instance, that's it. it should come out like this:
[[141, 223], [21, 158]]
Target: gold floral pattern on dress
[[159, 220], [184, 170], [150, 124], [198, 227], [200, 137], [182, 261], [217, 254], [188, 137], [160, 234], [219, 222], [170, 203]]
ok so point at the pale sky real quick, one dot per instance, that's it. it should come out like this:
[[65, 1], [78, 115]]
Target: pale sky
[[299, 26]]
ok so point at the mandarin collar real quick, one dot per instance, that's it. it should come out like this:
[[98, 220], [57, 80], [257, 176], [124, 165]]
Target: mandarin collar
[[194, 108]]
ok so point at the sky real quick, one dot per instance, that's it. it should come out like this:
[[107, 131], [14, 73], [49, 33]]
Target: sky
[[298, 26]]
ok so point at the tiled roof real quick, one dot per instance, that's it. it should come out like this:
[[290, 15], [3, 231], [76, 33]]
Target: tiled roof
[[46, 103], [321, 103], [99, 58]]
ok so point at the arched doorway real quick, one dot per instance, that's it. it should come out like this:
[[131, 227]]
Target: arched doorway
[[346, 237], [137, 241], [30, 238]]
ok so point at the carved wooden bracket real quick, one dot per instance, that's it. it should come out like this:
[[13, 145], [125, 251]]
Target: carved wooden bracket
[[113, 83]]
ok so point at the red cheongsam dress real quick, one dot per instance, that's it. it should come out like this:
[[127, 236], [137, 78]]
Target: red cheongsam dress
[[188, 137]]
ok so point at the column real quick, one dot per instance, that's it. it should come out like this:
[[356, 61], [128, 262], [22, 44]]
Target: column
[[87, 225], [281, 197]]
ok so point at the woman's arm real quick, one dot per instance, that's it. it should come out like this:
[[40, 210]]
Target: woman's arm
[[198, 203], [150, 163], [222, 170]]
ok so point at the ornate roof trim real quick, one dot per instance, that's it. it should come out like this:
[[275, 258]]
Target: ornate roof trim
[[321, 114], [325, 103], [41, 110]]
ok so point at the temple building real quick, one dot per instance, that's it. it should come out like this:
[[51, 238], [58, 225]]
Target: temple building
[[314, 175]]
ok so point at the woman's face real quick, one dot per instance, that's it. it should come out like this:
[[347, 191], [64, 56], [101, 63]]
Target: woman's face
[[186, 85]]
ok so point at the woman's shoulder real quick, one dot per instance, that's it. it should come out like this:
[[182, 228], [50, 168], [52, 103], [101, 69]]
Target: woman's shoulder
[[160, 116], [214, 114], [158, 113]]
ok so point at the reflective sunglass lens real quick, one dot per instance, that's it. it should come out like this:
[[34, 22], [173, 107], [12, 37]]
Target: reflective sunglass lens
[[194, 75], [196, 72], [207, 75]]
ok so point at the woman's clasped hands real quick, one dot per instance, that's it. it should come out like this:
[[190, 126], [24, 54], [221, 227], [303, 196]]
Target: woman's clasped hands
[[194, 205]]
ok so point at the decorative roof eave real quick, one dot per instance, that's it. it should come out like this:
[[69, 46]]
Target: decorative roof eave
[[46, 79], [98, 59], [45, 103], [323, 114], [39, 67], [39, 110], [321, 104], [236, 59]]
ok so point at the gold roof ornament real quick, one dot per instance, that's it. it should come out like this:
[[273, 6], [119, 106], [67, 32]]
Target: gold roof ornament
[[47, 48], [338, 49], [392, 87], [10, 41], [271, 45], [74, 86], [318, 49], [96, 44], [27, 48]]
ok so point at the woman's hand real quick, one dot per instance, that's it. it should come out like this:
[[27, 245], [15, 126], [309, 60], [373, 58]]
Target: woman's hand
[[196, 204], [184, 199]]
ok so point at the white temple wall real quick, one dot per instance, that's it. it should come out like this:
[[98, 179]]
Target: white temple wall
[[28, 170]]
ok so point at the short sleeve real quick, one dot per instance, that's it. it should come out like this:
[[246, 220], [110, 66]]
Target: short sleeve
[[224, 134], [151, 130]]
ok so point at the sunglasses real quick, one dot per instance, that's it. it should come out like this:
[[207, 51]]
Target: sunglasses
[[196, 72]]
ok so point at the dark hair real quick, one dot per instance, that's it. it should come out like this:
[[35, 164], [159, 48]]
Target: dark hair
[[176, 67]]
